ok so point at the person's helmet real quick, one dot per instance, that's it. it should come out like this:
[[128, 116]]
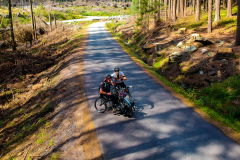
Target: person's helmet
[[116, 69], [108, 76]]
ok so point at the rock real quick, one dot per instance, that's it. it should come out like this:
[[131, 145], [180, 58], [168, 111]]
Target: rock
[[197, 44], [193, 37], [174, 56], [218, 41], [180, 44], [203, 40], [190, 48], [229, 46], [182, 30], [201, 72], [212, 73], [210, 53], [220, 44], [224, 53], [204, 50]]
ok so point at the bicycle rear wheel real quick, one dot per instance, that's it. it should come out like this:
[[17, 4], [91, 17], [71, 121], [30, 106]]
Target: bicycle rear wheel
[[100, 105]]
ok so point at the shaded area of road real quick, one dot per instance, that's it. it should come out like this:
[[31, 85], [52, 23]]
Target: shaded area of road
[[162, 127]]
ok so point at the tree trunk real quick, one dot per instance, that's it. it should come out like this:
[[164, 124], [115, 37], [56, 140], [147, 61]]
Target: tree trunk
[[154, 14], [198, 11], [165, 4], [181, 8], [209, 17], [55, 21], [194, 6], [11, 23], [185, 8], [177, 10], [140, 5], [237, 42], [169, 8], [30, 2], [50, 23], [217, 11], [35, 28], [174, 11], [224, 3], [229, 8]]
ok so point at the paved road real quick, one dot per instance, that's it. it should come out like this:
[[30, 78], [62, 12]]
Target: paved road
[[162, 128], [90, 18]]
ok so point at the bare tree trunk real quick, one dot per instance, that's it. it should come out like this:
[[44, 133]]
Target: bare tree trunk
[[50, 23], [154, 14], [165, 4], [229, 8], [217, 12], [185, 8], [30, 2], [224, 4], [198, 12], [177, 10], [169, 9], [11, 23], [181, 8], [237, 42], [35, 27], [174, 10], [194, 6], [55, 20], [210, 16]]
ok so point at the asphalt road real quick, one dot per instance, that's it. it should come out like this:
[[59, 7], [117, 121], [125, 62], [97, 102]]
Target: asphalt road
[[162, 127]]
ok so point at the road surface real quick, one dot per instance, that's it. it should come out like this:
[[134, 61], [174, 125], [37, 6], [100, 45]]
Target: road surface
[[162, 127]]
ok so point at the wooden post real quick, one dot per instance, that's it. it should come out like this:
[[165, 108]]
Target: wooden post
[[30, 1], [50, 23]]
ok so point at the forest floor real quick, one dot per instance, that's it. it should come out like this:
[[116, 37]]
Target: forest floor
[[193, 71], [43, 109]]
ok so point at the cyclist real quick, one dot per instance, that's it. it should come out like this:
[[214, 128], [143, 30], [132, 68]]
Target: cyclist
[[105, 90], [118, 77]]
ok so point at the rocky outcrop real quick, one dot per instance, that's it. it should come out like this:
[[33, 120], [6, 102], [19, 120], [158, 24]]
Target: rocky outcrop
[[224, 53]]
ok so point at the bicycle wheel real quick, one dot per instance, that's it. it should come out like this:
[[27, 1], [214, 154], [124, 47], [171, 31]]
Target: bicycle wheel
[[100, 105]]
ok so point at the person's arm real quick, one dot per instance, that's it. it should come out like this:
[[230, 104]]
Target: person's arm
[[105, 93]]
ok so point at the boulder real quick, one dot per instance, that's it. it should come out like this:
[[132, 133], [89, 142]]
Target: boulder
[[204, 50], [174, 56], [193, 37], [224, 53], [190, 48], [197, 44], [203, 40], [180, 44], [182, 30]]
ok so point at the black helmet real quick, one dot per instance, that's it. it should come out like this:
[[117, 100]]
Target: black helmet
[[108, 76], [116, 69]]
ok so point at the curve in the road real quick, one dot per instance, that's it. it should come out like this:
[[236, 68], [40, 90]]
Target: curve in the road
[[162, 127]]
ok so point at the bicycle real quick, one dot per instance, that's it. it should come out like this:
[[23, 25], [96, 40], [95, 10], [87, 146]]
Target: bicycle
[[127, 106], [116, 90]]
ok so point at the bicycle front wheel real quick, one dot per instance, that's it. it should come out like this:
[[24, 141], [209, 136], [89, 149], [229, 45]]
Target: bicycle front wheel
[[100, 105]]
